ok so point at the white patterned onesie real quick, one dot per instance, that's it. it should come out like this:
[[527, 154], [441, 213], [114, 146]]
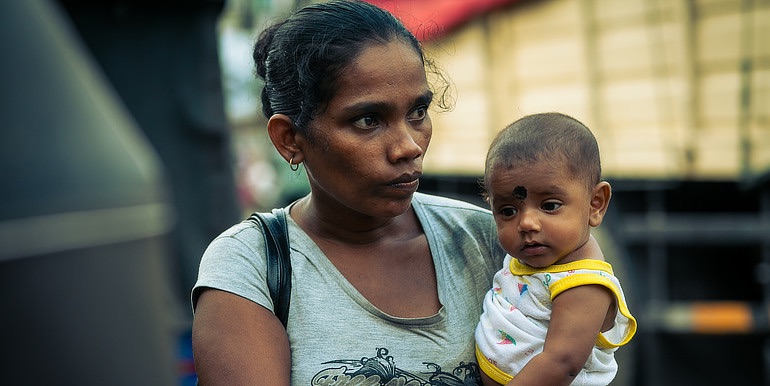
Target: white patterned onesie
[[517, 312]]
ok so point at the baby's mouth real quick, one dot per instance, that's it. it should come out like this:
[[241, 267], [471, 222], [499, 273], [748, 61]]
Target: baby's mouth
[[533, 248]]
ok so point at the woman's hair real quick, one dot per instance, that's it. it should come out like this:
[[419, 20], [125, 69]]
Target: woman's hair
[[547, 137], [301, 58]]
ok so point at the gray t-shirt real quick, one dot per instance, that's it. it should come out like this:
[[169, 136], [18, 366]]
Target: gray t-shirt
[[336, 335]]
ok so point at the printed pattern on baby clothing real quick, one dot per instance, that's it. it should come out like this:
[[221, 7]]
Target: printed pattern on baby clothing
[[517, 312]]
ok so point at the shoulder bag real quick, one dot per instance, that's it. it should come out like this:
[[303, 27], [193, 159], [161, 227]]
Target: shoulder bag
[[278, 263]]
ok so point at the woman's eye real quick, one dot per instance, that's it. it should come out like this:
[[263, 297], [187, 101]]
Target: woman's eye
[[418, 114], [367, 122], [551, 206]]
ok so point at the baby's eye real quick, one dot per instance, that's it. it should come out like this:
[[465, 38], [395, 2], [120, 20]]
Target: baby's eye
[[367, 122], [508, 212], [418, 114], [551, 206]]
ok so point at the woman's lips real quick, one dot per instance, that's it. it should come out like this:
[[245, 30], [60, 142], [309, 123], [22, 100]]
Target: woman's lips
[[407, 182], [410, 185]]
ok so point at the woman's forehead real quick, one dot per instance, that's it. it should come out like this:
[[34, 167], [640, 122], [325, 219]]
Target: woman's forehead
[[383, 61], [382, 71]]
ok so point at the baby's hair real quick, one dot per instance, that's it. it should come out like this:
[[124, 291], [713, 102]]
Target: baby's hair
[[551, 137]]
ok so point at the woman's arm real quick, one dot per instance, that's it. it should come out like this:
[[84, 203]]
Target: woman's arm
[[238, 342]]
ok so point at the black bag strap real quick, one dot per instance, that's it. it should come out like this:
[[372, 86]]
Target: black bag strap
[[278, 262]]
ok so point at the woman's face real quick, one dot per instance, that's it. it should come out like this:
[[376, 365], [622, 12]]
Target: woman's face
[[369, 142]]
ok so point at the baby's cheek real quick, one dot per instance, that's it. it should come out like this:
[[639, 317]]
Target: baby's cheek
[[509, 238]]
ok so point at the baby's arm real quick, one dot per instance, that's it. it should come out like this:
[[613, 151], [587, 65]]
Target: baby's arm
[[576, 321]]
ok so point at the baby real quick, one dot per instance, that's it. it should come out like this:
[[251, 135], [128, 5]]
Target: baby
[[556, 313]]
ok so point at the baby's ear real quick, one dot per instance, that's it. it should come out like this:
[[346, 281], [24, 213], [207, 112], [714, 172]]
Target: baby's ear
[[600, 201]]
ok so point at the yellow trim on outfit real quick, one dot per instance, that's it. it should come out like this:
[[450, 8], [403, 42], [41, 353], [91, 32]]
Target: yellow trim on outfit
[[490, 369], [576, 280], [581, 279], [519, 268]]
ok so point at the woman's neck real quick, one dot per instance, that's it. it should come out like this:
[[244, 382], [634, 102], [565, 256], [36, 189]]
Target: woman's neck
[[342, 225]]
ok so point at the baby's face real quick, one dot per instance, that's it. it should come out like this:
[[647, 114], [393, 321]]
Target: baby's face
[[541, 211]]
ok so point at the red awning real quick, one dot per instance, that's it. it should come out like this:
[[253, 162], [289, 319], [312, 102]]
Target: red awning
[[430, 19]]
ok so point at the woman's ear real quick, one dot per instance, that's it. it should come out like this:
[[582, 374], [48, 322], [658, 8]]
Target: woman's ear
[[282, 133], [600, 201]]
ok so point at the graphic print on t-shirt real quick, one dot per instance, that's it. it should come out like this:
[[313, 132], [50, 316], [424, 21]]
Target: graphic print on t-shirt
[[382, 370]]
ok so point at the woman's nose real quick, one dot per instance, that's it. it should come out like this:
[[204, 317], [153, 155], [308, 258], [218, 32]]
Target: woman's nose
[[406, 143]]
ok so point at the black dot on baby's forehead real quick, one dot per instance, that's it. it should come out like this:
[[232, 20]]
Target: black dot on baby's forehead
[[520, 192]]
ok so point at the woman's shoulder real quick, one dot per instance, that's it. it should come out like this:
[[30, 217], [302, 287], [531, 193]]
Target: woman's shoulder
[[243, 231], [453, 213], [440, 203], [241, 243], [235, 262]]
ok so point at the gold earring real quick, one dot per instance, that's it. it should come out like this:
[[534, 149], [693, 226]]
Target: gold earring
[[294, 167]]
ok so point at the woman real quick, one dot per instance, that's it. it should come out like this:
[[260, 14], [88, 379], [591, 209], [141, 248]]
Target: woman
[[387, 283]]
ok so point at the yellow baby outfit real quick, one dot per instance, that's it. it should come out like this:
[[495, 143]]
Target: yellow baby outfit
[[517, 312]]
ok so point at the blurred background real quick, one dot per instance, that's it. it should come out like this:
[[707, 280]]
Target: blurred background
[[132, 138]]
